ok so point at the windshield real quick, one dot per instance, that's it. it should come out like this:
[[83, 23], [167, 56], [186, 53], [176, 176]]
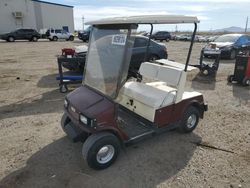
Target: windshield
[[108, 60], [227, 38]]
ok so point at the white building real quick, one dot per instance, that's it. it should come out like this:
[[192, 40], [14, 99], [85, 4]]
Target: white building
[[35, 14]]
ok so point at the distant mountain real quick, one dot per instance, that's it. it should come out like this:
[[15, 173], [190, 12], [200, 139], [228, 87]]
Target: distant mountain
[[232, 29]]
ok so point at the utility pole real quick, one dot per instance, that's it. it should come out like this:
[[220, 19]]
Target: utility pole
[[246, 25], [83, 23]]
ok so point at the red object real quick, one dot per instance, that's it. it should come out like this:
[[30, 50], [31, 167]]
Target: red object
[[68, 51], [248, 68]]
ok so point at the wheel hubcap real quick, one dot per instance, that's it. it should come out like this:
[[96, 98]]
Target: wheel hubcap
[[105, 154], [191, 121]]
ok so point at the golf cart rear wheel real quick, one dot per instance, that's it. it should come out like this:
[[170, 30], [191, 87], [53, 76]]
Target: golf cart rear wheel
[[246, 81], [101, 150], [190, 120], [230, 78]]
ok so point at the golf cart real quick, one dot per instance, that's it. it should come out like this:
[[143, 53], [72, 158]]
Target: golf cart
[[108, 110]]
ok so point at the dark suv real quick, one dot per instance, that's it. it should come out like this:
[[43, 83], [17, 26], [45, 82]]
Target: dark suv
[[161, 35], [84, 35], [21, 34]]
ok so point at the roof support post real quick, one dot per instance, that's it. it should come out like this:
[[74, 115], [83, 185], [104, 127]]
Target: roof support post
[[191, 47], [148, 44]]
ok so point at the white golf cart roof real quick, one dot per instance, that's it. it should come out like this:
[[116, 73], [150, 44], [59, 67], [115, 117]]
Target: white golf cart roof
[[146, 19]]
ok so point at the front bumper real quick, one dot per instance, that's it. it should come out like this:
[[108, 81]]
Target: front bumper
[[74, 128], [224, 53]]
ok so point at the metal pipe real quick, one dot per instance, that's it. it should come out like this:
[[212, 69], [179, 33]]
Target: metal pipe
[[191, 46]]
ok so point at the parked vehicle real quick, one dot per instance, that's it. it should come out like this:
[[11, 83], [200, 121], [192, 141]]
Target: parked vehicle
[[212, 38], [21, 34], [84, 36], [161, 35], [229, 45], [55, 34], [156, 51], [183, 37], [108, 110], [201, 39]]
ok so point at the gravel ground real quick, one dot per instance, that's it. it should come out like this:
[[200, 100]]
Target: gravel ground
[[36, 153]]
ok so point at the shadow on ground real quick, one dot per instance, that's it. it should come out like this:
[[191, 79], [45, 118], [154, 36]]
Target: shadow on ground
[[48, 81], [242, 93], [146, 164], [48, 102], [203, 82]]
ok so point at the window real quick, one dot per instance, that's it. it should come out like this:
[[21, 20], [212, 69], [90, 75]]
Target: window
[[58, 31], [139, 42]]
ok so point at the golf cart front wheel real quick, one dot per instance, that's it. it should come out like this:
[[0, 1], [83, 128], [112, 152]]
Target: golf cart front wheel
[[190, 120], [246, 81], [101, 150]]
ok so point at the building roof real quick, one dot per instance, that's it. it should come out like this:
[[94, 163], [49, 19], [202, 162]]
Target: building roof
[[53, 3], [146, 19]]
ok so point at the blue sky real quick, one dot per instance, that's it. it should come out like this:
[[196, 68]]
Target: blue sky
[[213, 14]]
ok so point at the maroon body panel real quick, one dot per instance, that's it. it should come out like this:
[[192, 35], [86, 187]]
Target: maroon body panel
[[174, 112], [93, 105]]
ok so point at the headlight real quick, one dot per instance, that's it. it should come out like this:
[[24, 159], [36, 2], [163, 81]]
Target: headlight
[[83, 119], [66, 103]]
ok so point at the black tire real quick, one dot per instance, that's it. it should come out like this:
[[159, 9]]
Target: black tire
[[80, 137], [71, 38], [153, 57], [190, 120], [55, 38], [50, 39], [232, 54], [34, 39], [64, 121], [11, 39], [93, 146], [167, 40], [246, 81], [230, 78]]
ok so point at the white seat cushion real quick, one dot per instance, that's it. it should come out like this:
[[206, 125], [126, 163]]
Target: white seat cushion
[[152, 94]]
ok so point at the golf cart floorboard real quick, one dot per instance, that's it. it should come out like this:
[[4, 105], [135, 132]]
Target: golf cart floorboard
[[132, 126]]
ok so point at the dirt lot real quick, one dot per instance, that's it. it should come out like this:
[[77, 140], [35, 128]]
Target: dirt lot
[[36, 153]]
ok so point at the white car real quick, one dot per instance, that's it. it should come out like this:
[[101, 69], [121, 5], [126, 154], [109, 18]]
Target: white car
[[55, 34]]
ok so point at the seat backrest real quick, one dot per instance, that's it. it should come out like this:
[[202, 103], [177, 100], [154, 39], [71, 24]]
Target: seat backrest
[[149, 70], [168, 74], [173, 76]]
